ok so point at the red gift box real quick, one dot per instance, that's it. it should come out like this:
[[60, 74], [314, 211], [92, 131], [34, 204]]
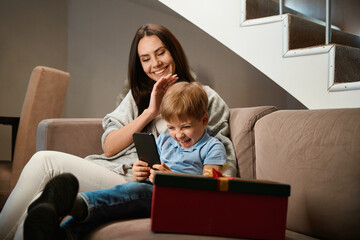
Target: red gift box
[[230, 207]]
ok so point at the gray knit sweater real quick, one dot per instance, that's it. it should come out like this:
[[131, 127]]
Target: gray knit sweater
[[127, 111]]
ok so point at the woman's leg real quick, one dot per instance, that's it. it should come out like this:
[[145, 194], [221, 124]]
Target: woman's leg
[[125, 201], [43, 166]]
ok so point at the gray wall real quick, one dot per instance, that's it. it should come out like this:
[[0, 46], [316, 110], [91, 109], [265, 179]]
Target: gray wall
[[91, 40], [32, 33]]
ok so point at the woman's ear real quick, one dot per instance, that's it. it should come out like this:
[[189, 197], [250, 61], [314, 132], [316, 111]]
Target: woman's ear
[[205, 119]]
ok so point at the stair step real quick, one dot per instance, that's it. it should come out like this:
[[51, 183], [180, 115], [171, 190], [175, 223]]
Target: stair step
[[304, 33], [264, 8], [347, 62]]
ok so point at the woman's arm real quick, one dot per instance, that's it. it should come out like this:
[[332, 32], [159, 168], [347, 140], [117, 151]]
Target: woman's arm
[[119, 139], [219, 127]]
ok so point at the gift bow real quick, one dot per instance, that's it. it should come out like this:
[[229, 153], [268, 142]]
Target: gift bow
[[223, 182]]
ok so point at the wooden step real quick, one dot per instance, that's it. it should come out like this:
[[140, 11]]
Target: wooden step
[[304, 33], [347, 64], [265, 8]]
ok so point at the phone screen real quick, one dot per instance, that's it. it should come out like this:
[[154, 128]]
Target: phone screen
[[146, 148]]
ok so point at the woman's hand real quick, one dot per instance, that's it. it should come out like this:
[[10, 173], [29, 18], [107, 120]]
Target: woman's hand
[[158, 92], [140, 170], [158, 168]]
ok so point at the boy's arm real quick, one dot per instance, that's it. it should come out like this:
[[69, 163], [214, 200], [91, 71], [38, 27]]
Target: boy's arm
[[215, 157], [207, 170]]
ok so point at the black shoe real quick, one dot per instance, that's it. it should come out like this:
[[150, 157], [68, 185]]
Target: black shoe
[[41, 223], [61, 192]]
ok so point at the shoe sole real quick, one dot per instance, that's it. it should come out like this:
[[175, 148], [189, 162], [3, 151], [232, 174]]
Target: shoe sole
[[41, 223]]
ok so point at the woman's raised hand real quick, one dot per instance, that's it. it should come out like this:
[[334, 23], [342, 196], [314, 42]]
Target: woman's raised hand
[[158, 92], [119, 139]]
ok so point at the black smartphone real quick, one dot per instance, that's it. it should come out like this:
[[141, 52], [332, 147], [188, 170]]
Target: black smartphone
[[146, 148]]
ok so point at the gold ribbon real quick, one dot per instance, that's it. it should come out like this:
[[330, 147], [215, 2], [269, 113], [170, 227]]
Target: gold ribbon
[[223, 184]]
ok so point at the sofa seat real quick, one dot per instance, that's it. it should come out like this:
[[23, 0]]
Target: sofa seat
[[141, 229]]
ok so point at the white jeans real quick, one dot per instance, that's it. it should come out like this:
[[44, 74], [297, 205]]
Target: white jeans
[[38, 171]]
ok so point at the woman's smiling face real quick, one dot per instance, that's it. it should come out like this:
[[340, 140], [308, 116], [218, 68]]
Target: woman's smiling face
[[155, 59]]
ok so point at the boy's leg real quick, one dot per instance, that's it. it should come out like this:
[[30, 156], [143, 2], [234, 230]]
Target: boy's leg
[[129, 200]]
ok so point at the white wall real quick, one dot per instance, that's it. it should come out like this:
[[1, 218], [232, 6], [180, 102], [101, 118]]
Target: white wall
[[32, 33]]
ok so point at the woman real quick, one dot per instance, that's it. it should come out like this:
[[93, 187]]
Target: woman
[[156, 61]]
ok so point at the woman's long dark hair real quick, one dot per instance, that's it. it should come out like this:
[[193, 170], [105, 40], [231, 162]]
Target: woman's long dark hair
[[140, 84]]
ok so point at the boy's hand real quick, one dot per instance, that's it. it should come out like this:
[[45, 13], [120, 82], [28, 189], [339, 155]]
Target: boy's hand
[[158, 168], [141, 170]]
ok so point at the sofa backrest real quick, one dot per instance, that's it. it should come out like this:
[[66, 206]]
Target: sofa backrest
[[242, 122], [317, 152], [77, 136]]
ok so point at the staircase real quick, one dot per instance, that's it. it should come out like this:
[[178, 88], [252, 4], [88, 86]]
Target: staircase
[[288, 48]]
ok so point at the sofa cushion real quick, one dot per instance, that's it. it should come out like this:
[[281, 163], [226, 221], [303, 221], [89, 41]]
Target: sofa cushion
[[141, 229], [242, 121], [317, 152]]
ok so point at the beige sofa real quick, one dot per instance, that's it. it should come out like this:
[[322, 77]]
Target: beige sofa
[[317, 152]]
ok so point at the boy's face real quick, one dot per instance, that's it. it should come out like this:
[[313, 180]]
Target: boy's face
[[189, 131]]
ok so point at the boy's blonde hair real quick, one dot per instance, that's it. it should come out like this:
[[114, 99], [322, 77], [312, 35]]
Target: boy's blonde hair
[[183, 100]]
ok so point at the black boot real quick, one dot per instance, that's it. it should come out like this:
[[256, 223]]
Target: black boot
[[41, 222], [46, 212]]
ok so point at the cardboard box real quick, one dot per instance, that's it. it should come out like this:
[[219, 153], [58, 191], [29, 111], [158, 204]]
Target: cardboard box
[[230, 207]]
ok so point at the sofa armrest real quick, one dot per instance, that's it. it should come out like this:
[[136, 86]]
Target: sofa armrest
[[77, 136], [242, 122]]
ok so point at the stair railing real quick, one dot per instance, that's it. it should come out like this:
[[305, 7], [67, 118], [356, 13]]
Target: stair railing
[[328, 19], [328, 22], [281, 6]]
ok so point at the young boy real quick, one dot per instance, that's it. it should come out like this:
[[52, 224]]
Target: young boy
[[186, 148]]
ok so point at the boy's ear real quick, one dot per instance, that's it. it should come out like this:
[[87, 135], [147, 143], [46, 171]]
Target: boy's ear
[[205, 119]]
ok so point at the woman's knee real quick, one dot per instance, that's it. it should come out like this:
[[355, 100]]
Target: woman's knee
[[41, 161], [37, 158]]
